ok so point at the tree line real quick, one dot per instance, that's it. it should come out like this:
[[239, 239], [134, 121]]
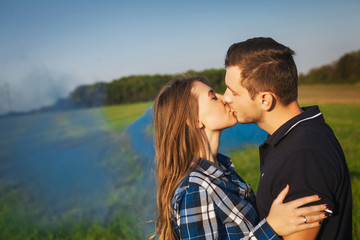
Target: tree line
[[140, 88], [136, 88], [345, 70]]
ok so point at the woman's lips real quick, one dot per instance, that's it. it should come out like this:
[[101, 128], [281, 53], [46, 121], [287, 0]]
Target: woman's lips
[[230, 111]]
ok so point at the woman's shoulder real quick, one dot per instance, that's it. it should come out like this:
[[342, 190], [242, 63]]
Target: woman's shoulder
[[193, 183], [185, 188]]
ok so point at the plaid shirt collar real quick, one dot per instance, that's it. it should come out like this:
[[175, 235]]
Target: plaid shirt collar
[[211, 171], [225, 177]]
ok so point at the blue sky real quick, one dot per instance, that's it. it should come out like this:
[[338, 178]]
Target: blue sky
[[47, 48]]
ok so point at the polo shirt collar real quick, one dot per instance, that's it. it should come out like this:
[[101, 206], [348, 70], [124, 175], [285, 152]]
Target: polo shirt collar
[[307, 114]]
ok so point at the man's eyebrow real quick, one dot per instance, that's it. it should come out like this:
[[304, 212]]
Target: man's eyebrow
[[229, 88]]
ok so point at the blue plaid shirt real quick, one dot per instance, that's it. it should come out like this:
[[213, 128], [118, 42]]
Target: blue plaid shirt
[[215, 204]]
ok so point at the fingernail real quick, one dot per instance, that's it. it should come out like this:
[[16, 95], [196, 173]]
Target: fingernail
[[318, 197], [329, 211], [327, 214]]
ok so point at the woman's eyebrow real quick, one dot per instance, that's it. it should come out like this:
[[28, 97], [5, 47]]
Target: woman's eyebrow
[[211, 93]]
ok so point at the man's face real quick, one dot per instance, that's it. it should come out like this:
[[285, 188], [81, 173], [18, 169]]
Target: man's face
[[238, 98]]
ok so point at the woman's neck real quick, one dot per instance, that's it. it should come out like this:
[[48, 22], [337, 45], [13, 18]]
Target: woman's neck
[[213, 138]]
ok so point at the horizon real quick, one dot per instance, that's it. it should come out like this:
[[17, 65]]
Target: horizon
[[50, 48]]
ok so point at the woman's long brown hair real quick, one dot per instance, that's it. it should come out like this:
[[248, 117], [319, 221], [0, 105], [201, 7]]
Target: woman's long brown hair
[[178, 143]]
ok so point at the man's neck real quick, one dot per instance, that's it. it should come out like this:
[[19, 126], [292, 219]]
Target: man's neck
[[278, 116]]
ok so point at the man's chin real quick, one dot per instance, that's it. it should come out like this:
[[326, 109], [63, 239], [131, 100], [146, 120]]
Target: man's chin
[[241, 120], [237, 118]]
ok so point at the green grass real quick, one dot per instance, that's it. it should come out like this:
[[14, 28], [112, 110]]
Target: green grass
[[17, 222], [119, 117], [345, 122]]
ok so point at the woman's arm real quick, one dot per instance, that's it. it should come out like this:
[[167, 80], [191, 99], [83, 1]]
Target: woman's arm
[[289, 218], [196, 217]]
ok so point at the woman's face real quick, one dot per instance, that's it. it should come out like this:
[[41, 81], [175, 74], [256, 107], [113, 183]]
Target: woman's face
[[214, 115]]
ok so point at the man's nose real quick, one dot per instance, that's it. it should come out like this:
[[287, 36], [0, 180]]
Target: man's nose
[[226, 98]]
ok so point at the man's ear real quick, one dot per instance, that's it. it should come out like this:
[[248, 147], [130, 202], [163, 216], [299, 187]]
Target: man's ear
[[267, 100]]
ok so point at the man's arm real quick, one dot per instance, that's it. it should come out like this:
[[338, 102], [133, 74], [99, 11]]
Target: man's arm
[[306, 175]]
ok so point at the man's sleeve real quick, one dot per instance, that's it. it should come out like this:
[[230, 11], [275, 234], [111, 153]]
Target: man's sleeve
[[308, 172]]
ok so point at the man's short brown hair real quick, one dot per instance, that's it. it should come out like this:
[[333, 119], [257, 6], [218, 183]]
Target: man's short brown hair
[[265, 65]]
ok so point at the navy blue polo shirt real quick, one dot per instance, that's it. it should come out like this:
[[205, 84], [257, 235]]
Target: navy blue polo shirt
[[305, 154]]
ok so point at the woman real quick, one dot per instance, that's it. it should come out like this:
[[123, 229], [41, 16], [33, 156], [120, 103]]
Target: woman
[[199, 194]]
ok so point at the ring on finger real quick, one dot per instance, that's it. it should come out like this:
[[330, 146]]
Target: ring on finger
[[305, 220]]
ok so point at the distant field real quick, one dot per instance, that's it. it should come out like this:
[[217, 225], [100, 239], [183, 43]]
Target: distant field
[[340, 105], [330, 94]]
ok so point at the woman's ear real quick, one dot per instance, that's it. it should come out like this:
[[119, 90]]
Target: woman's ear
[[268, 100], [200, 124]]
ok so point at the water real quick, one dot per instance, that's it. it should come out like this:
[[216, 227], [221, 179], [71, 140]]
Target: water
[[142, 141], [70, 164], [56, 159]]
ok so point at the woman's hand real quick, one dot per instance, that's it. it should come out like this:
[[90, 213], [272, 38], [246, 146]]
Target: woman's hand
[[287, 218]]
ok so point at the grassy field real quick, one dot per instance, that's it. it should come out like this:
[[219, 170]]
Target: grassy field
[[345, 122], [119, 117]]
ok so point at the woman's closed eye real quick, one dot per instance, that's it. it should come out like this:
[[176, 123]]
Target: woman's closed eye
[[212, 95]]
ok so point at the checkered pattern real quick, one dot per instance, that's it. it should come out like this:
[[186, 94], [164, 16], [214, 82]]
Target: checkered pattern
[[215, 204]]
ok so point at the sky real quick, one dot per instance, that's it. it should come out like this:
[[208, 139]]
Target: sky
[[48, 48]]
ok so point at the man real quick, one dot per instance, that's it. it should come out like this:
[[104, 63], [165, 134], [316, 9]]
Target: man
[[301, 150]]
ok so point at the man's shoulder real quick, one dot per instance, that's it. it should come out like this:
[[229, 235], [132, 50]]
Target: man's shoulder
[[311, 133]]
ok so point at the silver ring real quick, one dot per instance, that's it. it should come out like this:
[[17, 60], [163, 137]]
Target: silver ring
[[305, 220]]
